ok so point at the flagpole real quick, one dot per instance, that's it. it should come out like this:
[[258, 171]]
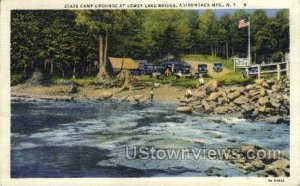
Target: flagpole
[[249, 43]]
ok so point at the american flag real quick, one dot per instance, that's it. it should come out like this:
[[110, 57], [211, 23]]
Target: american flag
[[243, 23]]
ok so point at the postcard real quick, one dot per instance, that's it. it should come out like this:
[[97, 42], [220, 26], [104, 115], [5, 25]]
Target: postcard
[[149, 92]]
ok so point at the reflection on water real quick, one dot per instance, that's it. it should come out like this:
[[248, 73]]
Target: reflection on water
[[87, 139]]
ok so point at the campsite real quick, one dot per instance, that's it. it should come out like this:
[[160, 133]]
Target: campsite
[[87, 84]]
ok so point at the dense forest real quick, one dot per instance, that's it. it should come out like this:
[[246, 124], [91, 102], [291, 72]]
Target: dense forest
[[65, 42]]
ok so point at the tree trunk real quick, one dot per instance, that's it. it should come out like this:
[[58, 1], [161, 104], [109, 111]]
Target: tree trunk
[[232, 51], [74, 72], [226, 50], [211, 50], [105, 48], [101, 72], [51, 67]]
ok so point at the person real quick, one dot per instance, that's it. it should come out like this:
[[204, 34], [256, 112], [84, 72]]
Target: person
[[201, 80], [151, 94], [188, 94]]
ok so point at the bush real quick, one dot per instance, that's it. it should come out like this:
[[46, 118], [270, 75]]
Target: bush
[[18, 78]]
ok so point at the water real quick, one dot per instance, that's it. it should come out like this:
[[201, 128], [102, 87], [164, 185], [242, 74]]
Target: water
[[88, 139]]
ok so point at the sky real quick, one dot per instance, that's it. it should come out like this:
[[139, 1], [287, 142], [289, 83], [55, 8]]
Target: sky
[[220, 12]]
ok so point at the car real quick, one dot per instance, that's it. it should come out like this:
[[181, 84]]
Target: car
[[218, 67], [251, 71], [137, 72], [202, 70], [176, 66], [149, 68]]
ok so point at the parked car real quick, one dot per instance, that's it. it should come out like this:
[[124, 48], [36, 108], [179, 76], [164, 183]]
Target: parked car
[[149, 68], [218, 67], [251, 71], [137, 72], [176, 66], [202, 70]]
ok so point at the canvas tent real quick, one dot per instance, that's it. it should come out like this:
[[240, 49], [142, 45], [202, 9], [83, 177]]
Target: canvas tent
[[123, 63]]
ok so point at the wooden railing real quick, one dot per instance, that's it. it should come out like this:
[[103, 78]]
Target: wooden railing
[[258, 69], [279, 68]]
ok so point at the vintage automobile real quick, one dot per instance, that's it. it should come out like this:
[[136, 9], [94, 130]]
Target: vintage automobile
[[202, 70], [251, 71], [176, 67], [218, 67]]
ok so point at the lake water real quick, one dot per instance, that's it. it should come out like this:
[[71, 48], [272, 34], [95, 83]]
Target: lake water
[[88, 139]]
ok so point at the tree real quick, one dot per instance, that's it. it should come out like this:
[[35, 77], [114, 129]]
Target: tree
[[101, 23]]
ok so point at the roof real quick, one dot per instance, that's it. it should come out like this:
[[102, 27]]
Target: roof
[[124, 63]]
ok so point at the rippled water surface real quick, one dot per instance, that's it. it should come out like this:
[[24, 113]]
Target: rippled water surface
[[87, 139]]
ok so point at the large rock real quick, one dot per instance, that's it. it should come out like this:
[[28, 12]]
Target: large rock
[[253, 93], [213, 96], [221, 109], [199, 95], [279, 168], [265, 85], [233, 95], [259, 81], [241, 100], [263, 92], [263, 100], [104, 96], [274, 119], [208, 106], [138, 97], [249, 87], [186, 110], [212, 86]]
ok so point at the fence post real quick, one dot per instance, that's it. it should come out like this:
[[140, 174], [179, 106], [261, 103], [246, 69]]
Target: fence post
[[278, 72], [234, 59], [258, 71]]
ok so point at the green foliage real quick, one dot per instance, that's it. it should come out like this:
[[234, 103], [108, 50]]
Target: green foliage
[[18, 78], [69, 39]]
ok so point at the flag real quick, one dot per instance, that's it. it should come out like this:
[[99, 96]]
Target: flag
[[243, 23]]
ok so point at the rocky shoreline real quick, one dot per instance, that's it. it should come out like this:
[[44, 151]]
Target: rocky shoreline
[[265, 100]]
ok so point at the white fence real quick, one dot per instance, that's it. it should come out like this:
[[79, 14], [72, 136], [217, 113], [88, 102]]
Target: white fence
[[257, 70]]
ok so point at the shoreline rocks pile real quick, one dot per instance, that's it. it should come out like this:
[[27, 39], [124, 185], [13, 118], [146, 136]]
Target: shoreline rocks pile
[[264, 100], [265, 162]]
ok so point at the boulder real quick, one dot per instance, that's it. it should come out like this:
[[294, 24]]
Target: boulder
[[275, 88], [263, 100], [212, 86], [186, 110], [258, 164], [221, 110], [138, 97], [207, 106], [253, 93], [241, 100], [213, 96], [263, 92], [265, 85], [274, 119], [233, 95], [271, 82], [104, 96], [144, 99], [259, 81], [249, 87], [130, 99], [199, 94]]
